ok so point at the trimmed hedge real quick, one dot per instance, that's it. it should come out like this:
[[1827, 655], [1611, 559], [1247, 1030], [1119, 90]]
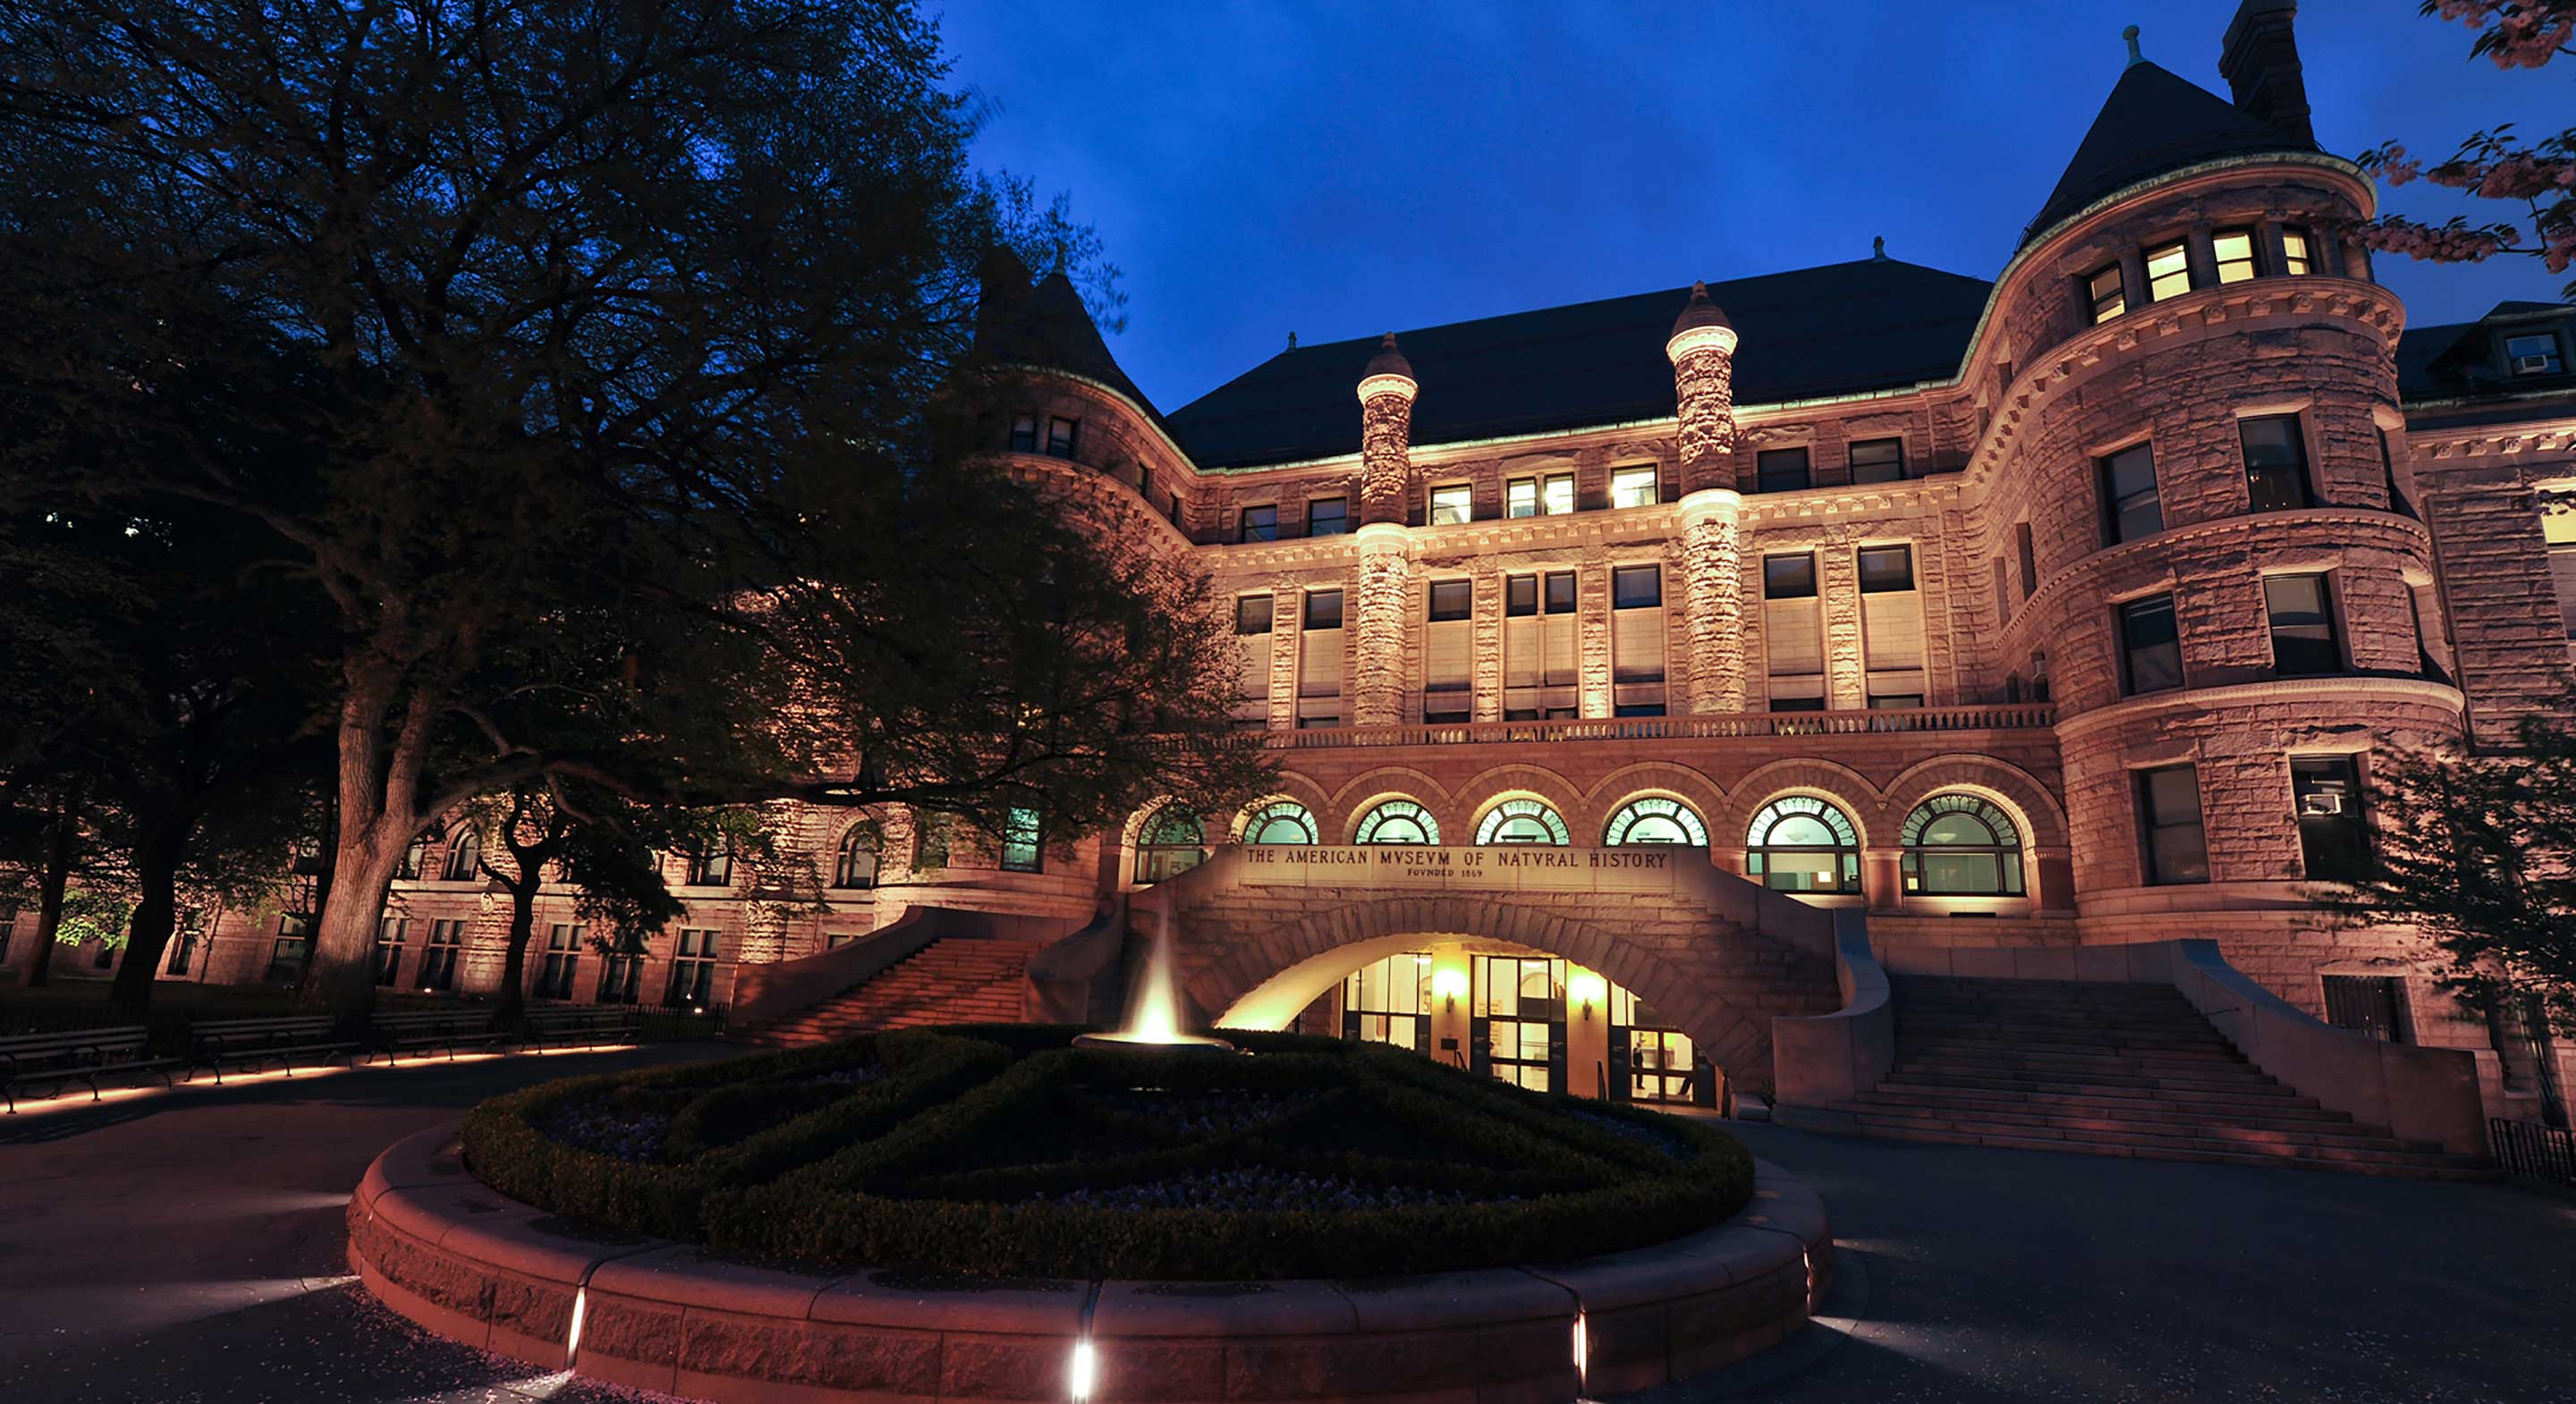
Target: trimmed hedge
[[948, 1150]]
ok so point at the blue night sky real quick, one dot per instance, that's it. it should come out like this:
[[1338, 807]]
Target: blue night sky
[[1336, 170]]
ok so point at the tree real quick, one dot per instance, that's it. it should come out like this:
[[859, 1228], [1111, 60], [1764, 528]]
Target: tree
[[2478, 852], [2495, 164], [629, 341], [529, 834]]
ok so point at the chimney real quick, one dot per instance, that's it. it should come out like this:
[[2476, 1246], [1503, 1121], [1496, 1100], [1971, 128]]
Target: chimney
[[2260, 61]]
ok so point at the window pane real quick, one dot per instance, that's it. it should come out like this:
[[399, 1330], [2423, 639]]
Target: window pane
[[1780, 470], [2105, 290], [1560, 592], [1252, 614], [1450, 599], [2533, 354], [1633, 487], [2276, 462], [1878, 461], [2168, 272], [1449, 505], [1520, 498], [1328, 516], [2303, 639], [1559, 498], [1324, 609], [2129, 499], [1885, 568], [1635, 587], [2234, 250], [1261, 523], [2152, 640], [1789, 577], [2170, 801], [1520, 596], [2298, 256], [2332, 835]]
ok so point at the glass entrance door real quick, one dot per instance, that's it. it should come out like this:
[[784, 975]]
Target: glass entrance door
[[1389, 1001], [1518, 1023]]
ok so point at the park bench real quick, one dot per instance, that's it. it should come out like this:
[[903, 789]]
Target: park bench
[[220, 1043], [571, 1027], [430, 1030], [79, 1055]]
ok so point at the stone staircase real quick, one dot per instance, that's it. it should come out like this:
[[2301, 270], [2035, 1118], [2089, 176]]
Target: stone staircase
[[945, 982], [2102, 1069]]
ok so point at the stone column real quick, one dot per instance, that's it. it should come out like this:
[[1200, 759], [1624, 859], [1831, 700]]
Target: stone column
[[1383, 601], [1713, 600], [1387, 389], [1702, 350]]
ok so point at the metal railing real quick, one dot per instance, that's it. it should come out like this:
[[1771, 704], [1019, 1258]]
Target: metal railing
[[2534, 1152], [1996, 717]]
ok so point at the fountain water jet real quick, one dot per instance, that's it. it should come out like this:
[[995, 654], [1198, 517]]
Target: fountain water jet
[[1154, 1010]]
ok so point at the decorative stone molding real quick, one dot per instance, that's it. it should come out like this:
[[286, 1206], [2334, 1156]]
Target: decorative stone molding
[[455, 1258], [2319, 693]]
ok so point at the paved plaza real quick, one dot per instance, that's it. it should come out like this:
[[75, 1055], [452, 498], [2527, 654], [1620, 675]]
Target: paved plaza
[[188, 1249]]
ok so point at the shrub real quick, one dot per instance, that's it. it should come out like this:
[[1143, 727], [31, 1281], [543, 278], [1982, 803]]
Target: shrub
[[1002, 1151]]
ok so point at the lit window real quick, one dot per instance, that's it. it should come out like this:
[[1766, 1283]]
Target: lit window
[[2150, 645], [1172, 843], [2168, 272], [1961, 846], [857, 866], [2302, 620], [693, 970], [2177, 848], [1886, 568], [1878, 461], [1520, 497], [1557, 494], [1024, 434], [1560, 592], [1780, 470], [2130, 506], [563, 959], [1252, 614], [462, 856], [1633, 487], [1655, 819], [2276, 462], [2233, 250], [711, 869], [2298, 253], [1259, 524], [1789, 577], [1802, 844], [1522, 821], [1451, 599], [1450, 504], [2107, 294], [2333, 840], [1323, 609], [2558, 535], [1400, 822], [1280, 821], [1636, 587], [1328, 516], [1020, 851], [2534, 354], [1061, 434]]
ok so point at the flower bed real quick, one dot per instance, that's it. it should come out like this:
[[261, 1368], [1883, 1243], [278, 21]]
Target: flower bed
[[1002, 1151]]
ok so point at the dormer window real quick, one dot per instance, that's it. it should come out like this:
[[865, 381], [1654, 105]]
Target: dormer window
[[2109, 295], [1061, 433], [2234, 252], [2534, 353], [1024, 434], [2168, 271], [2298, 253]]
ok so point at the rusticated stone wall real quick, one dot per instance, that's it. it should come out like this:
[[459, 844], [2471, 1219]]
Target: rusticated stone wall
[[1704, 394]]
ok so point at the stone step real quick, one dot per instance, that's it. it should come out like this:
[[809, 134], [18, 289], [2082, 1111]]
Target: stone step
[[2271, 1110], [2364, 1150], [2446, 1167], [2267, 1130], [1943, 1069], [2250, 1097]]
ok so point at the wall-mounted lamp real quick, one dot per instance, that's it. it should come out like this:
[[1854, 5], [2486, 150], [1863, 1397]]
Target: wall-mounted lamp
[[1588, 990], [1448, 984]]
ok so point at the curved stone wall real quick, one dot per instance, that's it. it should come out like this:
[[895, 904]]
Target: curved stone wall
[[458, 1259]]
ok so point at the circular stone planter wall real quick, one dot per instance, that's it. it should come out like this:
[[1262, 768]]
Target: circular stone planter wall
[[434, 1244]]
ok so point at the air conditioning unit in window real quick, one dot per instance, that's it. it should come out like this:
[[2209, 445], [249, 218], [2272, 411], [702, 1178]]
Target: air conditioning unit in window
[[2530, 365], [2321, 804]]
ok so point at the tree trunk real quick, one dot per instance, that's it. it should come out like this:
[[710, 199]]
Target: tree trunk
[[514, 960], [341, 976], [158, 850], [61, 847]]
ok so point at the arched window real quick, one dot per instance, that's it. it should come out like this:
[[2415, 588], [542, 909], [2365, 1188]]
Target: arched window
[[1801, 844], [462, 855], [1963, 846], [857, 866], [1399, 821], [1655, 819], [1280, 821], [1171, 843], [1522, 821]]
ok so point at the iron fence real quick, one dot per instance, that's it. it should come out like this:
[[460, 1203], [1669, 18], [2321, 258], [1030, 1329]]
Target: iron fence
[[2535, 1152]]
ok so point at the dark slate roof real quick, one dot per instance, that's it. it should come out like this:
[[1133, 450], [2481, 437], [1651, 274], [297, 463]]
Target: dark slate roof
[[1045, 325], [2456, 359], [1873, 324], [2154, 122]]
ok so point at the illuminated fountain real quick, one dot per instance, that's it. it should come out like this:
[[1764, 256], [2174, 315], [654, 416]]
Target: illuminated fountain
[[1154, 1012]]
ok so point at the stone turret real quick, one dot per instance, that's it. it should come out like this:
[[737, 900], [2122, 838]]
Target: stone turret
[[1385, 585], [1387, 389], [1702, 350]]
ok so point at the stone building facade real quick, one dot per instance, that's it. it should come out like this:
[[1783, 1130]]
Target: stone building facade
[[2066, 608]]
